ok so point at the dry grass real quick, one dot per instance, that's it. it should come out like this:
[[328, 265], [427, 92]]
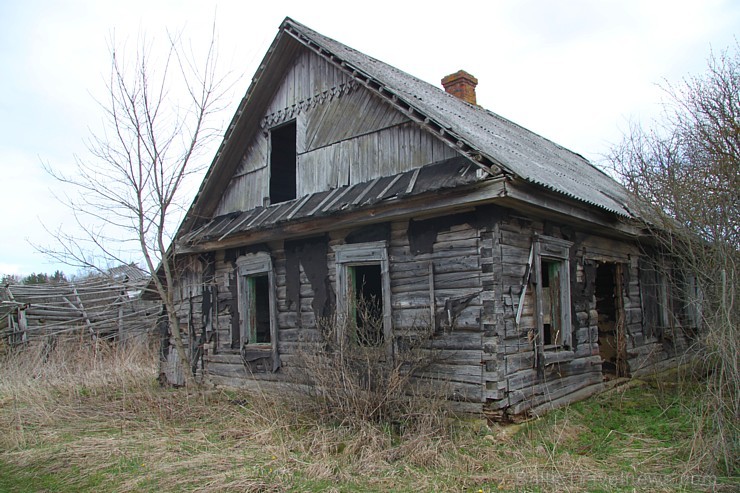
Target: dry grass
[[350, 379], [93, 419]]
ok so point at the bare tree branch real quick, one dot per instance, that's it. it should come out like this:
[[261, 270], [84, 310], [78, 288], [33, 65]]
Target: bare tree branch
[[686, 168], [158, 115]]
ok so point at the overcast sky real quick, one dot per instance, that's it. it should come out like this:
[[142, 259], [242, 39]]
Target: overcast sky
[[574, 71]]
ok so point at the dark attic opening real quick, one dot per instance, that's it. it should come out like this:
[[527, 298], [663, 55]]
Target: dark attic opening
[[283, 163], [368, 304]]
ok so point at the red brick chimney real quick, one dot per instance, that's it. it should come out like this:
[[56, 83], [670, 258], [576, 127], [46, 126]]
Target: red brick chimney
[[461, 85]]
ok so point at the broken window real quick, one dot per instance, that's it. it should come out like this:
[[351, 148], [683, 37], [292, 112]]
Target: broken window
[[258, 300], [363, 292], [694, 302], [552, 292], [655, 298], [257, 323], [283, 161]]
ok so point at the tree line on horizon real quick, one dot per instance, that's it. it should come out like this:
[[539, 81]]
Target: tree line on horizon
[[34, 278]]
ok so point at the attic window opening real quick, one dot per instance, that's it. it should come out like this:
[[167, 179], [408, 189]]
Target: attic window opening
[[283, 163]]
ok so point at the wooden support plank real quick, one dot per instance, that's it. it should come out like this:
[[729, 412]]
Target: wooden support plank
[[365, 191], [323, 202], [82, 310], [390, 185], [235, 227], [298, 207], [525, 284], [432, 298], [22, 324], [254, 219], [414, 177], [336, 199]]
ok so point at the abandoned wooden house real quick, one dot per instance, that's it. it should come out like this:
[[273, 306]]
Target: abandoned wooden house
[[341, 176]]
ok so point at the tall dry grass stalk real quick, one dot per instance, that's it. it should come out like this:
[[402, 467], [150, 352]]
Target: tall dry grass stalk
[[41, 380], [74, 363], [92, 418]]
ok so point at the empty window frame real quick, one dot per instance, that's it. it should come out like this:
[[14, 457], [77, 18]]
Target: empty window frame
[[655, 298], [283, 162], [694, 302], [552, 292], [363, 292], [257, 312]]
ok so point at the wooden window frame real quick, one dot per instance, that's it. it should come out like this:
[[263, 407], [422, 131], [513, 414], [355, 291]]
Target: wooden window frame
[[657, 280], [694, 302], [370, 253], [554, 251], [248, 267]]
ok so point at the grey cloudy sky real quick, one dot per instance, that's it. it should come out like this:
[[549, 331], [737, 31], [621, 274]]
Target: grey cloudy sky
[[575, 71]]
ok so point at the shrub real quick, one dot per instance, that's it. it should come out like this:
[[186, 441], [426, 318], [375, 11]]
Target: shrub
[[352, 375]]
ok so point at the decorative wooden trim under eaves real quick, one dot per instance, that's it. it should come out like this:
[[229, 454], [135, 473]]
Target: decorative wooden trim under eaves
[[281, 116]]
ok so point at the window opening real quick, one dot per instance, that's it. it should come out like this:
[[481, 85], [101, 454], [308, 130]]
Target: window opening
[[257, 320], [694, 302], [552, 292], [551, 301], [363, 293], [612, 342], [367, 288], [283, 163], [655, 298], [259, 298]]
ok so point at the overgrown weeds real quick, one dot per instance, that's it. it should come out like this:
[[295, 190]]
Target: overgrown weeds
[[101, 423], [354, 376]]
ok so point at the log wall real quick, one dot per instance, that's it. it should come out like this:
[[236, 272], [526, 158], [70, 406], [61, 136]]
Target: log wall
[[514, 383], [460, 276]]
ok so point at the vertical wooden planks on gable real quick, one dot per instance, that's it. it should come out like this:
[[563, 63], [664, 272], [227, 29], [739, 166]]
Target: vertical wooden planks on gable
[[302, 79], [300, 137]]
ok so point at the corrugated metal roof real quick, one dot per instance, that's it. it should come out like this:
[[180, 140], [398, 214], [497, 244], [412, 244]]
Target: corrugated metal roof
[[447, 174], [515, 149]]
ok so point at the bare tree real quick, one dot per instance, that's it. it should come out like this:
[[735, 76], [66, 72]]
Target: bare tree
[[128, 193], [686, 168]]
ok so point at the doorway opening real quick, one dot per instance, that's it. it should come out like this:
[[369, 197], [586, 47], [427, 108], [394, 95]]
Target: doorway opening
[[612, 330]]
